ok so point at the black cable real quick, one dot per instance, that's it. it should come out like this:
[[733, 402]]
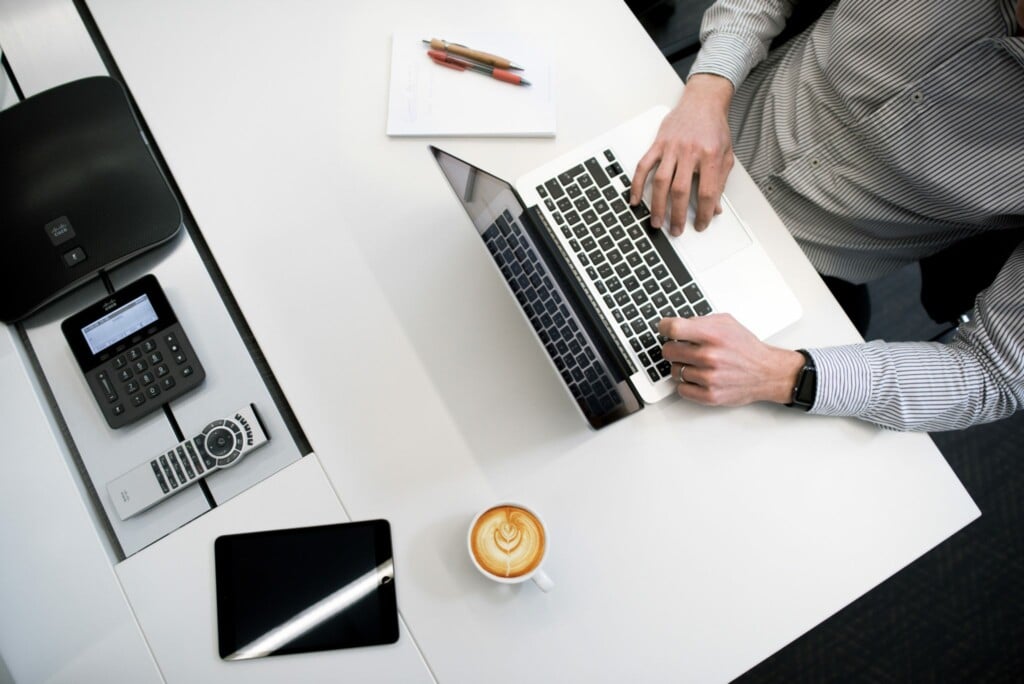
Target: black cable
[[105, 279], [10, 76]]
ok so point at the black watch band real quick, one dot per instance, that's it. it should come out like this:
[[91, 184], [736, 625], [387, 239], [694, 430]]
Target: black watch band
[[806, 387]]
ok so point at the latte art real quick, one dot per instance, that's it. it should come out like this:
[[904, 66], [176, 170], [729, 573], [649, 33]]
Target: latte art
[[508, 541]]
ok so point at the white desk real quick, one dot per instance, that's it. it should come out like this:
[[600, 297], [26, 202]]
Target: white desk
[[688, 543]]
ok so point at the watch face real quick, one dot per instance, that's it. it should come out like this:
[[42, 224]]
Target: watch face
[[806, 385]]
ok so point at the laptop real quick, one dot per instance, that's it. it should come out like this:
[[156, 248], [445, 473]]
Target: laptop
[[593, 278]]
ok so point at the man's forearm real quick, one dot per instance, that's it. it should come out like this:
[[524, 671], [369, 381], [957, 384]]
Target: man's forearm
[[735, 35], [977, 378]]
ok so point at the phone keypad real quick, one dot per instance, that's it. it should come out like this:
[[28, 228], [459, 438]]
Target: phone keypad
[[144, 376]]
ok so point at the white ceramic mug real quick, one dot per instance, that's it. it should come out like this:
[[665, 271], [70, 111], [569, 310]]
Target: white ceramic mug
[[511, 539]]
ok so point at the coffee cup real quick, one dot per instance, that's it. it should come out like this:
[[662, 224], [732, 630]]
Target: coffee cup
[[508, 543]]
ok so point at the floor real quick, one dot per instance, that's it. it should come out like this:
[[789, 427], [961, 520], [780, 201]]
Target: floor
[[956, 614]]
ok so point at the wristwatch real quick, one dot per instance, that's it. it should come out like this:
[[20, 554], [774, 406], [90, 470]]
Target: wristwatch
[[806, 388]]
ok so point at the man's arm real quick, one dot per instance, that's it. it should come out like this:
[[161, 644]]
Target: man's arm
[[977, 378], [735, 35], [694, 137]]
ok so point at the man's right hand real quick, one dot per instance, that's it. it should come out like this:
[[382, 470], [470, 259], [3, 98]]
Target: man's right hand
[[693, 139]]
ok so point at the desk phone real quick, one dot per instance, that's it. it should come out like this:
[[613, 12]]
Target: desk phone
[[133, 352]]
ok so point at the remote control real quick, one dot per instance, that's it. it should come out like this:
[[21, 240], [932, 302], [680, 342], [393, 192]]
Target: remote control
[[220, 445]]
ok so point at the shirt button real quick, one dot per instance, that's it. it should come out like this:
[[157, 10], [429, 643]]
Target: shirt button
[[815, 162], [917, 96]]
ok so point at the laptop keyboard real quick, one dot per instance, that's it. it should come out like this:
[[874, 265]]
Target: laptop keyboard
[[620, 254], [558, 328]]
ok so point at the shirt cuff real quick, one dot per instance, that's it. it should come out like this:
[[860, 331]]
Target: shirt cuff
[[844, 380], [729, 55]]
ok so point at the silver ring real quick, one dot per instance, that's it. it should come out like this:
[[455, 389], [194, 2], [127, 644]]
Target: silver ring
[[682, 367]]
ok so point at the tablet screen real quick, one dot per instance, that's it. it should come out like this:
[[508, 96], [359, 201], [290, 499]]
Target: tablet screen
[[305, 589]]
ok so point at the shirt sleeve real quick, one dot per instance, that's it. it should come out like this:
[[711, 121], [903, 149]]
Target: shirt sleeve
[[735, 35], [977, 378]]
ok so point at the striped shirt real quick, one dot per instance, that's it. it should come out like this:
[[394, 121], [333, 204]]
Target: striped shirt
[[882, 134]]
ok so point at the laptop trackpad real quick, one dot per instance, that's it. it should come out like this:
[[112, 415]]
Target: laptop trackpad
[[724, 237]]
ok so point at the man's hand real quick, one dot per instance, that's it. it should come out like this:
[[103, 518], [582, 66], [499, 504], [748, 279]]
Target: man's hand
[[724, 364], [693, 139]]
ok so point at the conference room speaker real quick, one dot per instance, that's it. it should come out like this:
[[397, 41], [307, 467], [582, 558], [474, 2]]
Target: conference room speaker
[[80, 192]]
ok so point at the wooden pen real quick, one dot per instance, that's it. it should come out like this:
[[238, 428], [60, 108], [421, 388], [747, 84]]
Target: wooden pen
[[475, 55]]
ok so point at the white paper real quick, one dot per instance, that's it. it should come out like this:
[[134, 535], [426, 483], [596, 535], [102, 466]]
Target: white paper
[[432, 100]]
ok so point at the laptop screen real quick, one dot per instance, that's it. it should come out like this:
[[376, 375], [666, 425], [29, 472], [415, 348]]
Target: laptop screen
[[550, 303]]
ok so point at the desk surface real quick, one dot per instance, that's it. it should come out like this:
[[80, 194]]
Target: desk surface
[[687, 543]]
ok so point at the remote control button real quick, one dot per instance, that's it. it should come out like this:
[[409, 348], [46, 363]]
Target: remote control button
[[120, 362], [162, 370], [125, 375], [132, 387], [140, 366], [138, 399], [179, 358], [200, 441], [118, 409], [177, 467], [134, 354], [195, 459], [229, 459], [167, 472], [167, 382], [148, 378], [160, 477], [219, 442], [155, 358], [153, 391], [184, 461], [149, 346]]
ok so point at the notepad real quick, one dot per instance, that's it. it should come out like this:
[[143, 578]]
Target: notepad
[[430, 100]]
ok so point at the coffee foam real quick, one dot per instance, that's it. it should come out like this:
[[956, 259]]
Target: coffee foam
[[508, 541]]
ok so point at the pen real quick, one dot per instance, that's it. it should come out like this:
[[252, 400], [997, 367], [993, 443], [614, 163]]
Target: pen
[[444, 59], [484, 58]]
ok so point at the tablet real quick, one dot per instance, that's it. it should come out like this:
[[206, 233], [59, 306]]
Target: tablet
[[305, 589]]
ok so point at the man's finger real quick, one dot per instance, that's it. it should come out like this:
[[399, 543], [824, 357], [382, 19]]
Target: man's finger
[[660, 189], [697, 393], [647, 163], [682, 329], [682, 186], [694, 375], [675, 351], [709, 194]]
